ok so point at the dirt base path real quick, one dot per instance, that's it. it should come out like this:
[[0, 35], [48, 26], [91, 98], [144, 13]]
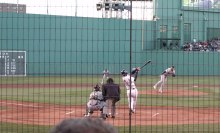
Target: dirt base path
[[45, 114]]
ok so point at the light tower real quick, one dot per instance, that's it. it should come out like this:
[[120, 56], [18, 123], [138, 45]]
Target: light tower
[[112, 8]]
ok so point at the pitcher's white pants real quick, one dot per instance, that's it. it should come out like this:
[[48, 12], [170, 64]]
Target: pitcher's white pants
[[161, 83]]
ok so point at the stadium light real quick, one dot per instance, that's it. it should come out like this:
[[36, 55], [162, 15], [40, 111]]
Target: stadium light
[[120, 6], [115, 6], [99, 6], [107, 6], [127, 8]]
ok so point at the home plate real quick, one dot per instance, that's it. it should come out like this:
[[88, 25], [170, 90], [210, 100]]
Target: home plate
[[155, 114]]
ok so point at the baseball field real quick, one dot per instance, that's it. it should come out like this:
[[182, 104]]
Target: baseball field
[[35, 104]]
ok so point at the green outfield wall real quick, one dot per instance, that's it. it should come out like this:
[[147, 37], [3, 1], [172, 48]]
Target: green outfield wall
[[60, 45]]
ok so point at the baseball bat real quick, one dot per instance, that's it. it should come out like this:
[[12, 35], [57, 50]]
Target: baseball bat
[[147, 62]]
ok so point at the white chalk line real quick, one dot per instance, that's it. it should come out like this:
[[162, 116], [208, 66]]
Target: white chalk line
[[195, 86], [24, 105], [155, 114], [70, 112]]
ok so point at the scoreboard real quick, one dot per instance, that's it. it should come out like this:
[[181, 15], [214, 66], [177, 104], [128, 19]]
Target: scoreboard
[[12, 63]]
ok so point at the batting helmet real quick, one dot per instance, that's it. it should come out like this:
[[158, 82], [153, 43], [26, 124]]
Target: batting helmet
[[97, 88], [124, 72]]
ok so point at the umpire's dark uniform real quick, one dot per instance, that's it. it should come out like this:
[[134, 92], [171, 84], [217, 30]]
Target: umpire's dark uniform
[[111, 94]]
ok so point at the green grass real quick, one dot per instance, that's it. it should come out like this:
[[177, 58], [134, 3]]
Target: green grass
[[79, 96], [2, 107], [23, 128], [63, 96], [210, 100], [74, 96], [50, 79], [196, 128], [210, 80]]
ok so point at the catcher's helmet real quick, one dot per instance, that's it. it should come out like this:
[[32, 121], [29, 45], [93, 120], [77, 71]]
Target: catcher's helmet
[[97, 88], [124, 72]]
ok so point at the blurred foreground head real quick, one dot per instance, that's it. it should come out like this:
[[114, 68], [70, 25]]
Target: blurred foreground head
[[83, 125]]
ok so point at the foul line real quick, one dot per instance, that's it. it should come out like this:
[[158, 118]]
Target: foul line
[[25, 105], [70, 112]]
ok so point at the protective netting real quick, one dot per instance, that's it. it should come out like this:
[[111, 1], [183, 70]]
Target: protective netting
[[71, 59]]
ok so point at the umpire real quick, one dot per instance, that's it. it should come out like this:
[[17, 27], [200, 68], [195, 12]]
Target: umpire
[[111, 94]]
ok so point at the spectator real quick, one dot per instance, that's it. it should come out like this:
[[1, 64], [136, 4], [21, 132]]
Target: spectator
[[164, 44], [83, 125]]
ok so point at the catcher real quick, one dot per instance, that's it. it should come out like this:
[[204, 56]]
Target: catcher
[[96, 101]]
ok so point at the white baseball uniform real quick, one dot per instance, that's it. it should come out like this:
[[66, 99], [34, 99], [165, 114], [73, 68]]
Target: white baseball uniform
[[163, 78], [105, 75], [134, 91]]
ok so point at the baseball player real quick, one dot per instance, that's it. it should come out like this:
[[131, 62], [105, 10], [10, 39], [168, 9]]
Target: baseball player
[[134, 92], [163, 77], [105, 76], [96, 101]]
